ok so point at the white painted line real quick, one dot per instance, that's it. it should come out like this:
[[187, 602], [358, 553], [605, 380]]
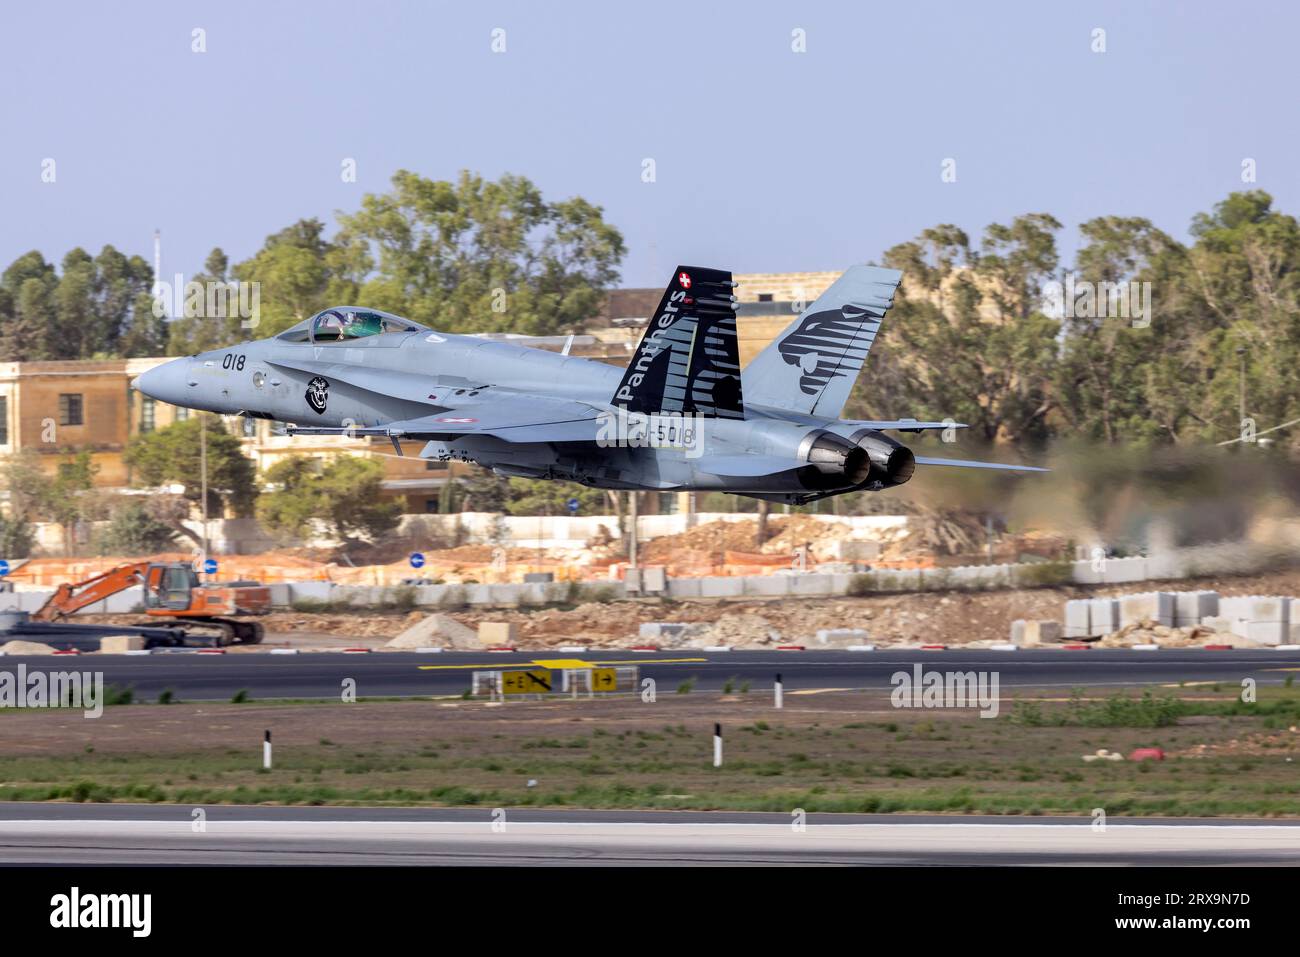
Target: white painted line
[[1004, 646], [716, 648], [283, 651], [861, 648], [1144, 647]]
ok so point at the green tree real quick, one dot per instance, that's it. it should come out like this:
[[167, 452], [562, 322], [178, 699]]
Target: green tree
[[134, 530], [17, 537], [27, 311], [967, 338], [97, 307], [63, 499], [196, 330], [293, 501], [299, 273], [24, 484], [172, 456], [475, 255], [545, 497], [343, 494], [350, 488], [484, 491]]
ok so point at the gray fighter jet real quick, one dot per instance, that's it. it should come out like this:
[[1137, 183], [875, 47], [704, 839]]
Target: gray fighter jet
[[683, 415]]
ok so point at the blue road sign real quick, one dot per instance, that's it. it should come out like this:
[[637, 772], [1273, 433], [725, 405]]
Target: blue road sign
[[4, 567], [209, 566], [417, 559], [572, 504]]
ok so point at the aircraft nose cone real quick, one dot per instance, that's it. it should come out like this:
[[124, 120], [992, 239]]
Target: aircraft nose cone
[[166, 382]]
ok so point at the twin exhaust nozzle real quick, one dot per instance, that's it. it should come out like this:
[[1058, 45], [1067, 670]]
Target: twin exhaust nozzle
[[865, 459]]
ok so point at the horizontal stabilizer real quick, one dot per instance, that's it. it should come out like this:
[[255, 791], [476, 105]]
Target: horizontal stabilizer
[[963, 463], [905, 425]]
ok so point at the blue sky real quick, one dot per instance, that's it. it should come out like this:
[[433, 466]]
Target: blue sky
[[766, 159]]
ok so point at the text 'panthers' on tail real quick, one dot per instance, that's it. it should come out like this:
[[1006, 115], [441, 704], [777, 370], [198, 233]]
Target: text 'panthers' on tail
[[688, 362]]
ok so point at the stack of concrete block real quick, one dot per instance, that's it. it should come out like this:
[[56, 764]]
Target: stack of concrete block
[[1034, 632], [1265, 619], [497, 634], [838, 636], [1153, 606], [1193, 607], [1078, 619], [1103, 616]]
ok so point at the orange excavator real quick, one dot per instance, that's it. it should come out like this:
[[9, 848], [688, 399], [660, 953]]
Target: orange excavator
[[172, 591]]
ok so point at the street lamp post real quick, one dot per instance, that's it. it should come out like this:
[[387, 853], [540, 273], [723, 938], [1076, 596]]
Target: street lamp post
[[203, 483]]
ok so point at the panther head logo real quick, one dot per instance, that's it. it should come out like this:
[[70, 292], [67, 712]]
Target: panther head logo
[[318, 393], [824, 345]]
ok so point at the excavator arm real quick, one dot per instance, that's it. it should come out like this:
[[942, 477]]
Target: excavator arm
[[70, 597]]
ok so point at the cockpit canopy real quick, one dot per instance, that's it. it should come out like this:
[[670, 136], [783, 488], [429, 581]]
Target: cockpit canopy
[[345, 324]]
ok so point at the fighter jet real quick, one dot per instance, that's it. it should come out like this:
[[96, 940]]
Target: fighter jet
[[682, 415]]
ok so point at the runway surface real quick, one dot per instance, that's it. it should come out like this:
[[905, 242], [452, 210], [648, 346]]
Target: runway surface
[[318, 675], [155, 834]]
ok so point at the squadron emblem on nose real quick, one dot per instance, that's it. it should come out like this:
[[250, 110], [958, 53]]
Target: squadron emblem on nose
[[318, 393]]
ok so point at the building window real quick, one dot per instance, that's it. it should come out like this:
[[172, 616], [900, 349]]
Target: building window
[[764, 297], [431, 506], [70, 410], [148, 415], [182, 413], [4, 420], [250, 427]]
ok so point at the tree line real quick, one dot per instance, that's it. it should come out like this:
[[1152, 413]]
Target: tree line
[[972, 335]]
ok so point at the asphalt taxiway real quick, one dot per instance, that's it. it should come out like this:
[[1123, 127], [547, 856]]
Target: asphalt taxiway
[[155, 834], [197, 677]]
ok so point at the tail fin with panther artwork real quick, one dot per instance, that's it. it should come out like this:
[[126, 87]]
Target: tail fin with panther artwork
[[812, 365]]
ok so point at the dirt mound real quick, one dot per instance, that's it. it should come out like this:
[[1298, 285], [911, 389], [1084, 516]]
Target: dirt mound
[[710, 541], [736, 629], [436, 630]]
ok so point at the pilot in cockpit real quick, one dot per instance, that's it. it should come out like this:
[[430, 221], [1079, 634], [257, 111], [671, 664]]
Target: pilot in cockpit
[[359, 324]]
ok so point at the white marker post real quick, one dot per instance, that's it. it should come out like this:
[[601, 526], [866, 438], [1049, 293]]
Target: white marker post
[[778, 692], [717, 745], [266, 751]]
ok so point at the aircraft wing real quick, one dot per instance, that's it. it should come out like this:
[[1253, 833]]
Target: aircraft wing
[[963, 463], [905, 425], [513, 418]]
